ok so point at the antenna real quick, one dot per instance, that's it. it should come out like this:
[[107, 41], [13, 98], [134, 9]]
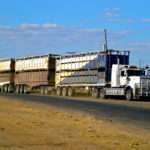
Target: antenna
[[105, 44], [140, 63]]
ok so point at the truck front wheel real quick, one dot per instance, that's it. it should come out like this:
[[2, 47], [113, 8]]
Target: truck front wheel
[[129, 94]]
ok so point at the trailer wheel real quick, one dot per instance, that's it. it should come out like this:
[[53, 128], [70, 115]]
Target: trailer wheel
[[58, 91], [70, 92], [2, 89], [95, 92], [25, 90], [45, 91], [17, 89], [10, 89], [129, 94], [102, 93], [5, 88], [41, 90], [64, 91], [22, 89]]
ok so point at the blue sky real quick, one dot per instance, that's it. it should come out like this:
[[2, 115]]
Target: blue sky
[[33, 27]]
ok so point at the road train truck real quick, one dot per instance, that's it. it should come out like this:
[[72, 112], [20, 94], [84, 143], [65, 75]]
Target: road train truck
[[101, 74]]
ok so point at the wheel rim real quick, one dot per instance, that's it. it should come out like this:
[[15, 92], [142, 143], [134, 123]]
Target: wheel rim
[[102, 93], [95, 93], [58, 92], [5, 89], [41, 90], [25, 91], [70, 92], [9, 89], [64, 92], [46, 91], [18, 89]]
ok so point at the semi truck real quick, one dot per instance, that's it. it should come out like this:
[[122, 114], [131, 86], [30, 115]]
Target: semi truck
[[101, 74], [129, 81], [35, 73], [7, 74]]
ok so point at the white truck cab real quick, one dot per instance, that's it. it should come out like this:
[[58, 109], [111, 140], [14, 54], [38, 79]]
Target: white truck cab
[[126, 75], [129, 81]]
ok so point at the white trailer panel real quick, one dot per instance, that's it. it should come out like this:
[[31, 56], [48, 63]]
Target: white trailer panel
[[34, 63], [5, 65], [79, 69]]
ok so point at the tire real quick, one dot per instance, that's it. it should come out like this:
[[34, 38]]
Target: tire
[[70, 92], [58, 92], [45, 91], [5, 88], [18, 89], [129, 94], [22, 89], [95, 93], [25, 90], [102, 93], [41, 90], [2, 89], [10, 89], [64, 92]]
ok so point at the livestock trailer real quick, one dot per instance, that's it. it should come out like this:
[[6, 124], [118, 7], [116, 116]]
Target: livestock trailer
[[7, 72], [35, 73], [87, 71]]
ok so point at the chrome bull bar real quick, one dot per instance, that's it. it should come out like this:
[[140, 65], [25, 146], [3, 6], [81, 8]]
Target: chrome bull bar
[[143, 89]]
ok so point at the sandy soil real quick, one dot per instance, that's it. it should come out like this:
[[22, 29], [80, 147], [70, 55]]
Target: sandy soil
[[30, 126]]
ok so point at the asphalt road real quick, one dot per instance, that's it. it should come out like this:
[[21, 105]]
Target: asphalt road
[[108, 110]]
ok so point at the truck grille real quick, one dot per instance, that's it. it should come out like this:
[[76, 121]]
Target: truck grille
[[145, 87]]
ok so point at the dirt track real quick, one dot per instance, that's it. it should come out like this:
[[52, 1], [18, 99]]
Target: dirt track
[[31, 126]]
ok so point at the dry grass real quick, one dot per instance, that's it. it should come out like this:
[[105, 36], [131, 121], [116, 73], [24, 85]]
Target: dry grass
[[30, 126]]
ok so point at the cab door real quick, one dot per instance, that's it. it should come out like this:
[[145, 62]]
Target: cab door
[[123, 78]]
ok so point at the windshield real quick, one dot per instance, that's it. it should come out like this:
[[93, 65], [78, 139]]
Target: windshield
[[135, 73]]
